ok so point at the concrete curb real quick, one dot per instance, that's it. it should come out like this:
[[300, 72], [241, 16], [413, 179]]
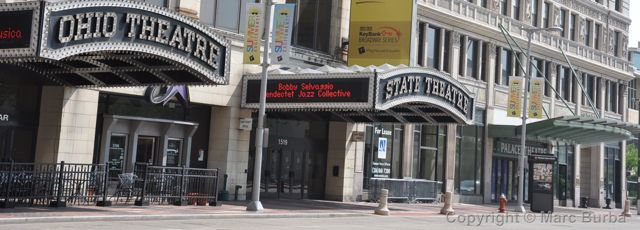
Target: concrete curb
[[29, 220]]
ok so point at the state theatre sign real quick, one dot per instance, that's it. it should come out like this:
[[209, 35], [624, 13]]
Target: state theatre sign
[[406, 95], [76, 27], [418, 85]]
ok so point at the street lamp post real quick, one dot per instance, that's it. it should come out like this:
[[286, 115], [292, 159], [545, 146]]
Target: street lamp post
[[255, 204], [523, 133]]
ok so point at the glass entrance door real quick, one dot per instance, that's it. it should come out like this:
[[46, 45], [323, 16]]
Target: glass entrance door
[[284, 173], [504, 180], [145, 149]]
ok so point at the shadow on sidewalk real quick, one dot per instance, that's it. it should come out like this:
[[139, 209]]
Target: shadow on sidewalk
[[308, 205]]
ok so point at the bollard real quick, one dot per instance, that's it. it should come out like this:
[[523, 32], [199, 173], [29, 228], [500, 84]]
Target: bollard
[[627, 208], [502, 203], [448, 208], [382, 208]]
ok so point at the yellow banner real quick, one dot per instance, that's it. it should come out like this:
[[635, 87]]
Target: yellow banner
[[536, 87], [380, 32], [252, 38], [515, 96]]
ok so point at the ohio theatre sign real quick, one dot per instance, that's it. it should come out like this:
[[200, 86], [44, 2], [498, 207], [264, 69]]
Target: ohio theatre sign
[[78, 27]]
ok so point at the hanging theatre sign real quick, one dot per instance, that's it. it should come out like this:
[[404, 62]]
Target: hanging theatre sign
[[83, 28]]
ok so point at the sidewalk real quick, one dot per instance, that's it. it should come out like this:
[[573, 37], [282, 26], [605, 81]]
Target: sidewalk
[[273, 209]]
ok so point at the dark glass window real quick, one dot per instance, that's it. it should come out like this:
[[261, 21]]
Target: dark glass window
[[563, 16], [505, 66], [429, 148], [447, 44], [613, 97], [547, 75], [472, 67], [564, 170], [545, 14], [534, 13], [633, 95], [612, 170], [20, 109], [433, 49], [618, 5], [503, 7], [596, 41], [421, 43], [469, 153], [312, 24], [616, 45], [587, 33], [572, 27], [383, 163]]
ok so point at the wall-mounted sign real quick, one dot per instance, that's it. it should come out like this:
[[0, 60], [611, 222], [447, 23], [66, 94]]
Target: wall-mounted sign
[[380, 32], [71, 28], [511, 146], [413, 85], [15, 29], [382, 148], [164, 94], [310, 92], [246, 124]]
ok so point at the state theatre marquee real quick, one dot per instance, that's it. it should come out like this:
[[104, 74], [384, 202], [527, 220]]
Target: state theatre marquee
[[416, 92]]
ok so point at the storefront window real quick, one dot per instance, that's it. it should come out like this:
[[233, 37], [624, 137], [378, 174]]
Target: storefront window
[[117, 153], [383, 152], [174, 147], [429, 148], [469, 152]]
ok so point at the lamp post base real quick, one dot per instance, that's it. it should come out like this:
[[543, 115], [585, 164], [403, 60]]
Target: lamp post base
[[255, 206], [520, 209]]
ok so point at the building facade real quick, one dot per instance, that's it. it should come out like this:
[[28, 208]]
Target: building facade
[[321, 154]]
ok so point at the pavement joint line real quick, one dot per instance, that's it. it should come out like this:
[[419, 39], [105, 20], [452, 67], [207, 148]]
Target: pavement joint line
[[30, 220]]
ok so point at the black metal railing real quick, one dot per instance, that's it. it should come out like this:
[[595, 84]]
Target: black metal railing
[[62, 184], [407, 190]]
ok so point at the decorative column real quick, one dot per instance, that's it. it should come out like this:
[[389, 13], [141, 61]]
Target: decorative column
[[553, 68], [454, 57], [450, 161], [490, 97]]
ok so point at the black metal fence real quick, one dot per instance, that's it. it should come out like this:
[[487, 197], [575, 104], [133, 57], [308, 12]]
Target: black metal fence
[[62, 184]]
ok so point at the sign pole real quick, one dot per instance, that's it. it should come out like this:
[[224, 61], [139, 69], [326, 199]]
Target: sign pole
[[255, 204]]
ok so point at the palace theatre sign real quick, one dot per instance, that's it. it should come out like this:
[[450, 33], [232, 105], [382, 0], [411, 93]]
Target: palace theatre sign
[[413, 95], [80, 27]]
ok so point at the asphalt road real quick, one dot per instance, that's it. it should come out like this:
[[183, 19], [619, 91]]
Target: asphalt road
[[356, 223]]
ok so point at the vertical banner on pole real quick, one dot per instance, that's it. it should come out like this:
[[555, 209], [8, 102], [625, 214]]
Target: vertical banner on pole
[[535, 103], [252, 38], [282, 28], [515, 96]]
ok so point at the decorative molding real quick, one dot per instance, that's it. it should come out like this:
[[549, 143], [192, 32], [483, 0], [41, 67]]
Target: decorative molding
[[491, 46], [455, 38]]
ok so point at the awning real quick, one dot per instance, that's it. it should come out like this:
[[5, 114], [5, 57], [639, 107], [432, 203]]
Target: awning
[[572, 129]]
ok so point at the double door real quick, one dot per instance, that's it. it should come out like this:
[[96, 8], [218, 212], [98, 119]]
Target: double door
[[284, 173]]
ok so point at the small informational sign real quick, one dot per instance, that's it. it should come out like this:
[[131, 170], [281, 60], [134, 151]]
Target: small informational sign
[[245, 124], [357, 136], [382, 148], [515, 96]]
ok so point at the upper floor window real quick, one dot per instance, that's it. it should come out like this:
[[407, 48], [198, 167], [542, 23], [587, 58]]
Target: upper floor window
[[505, 66], [633, 94], [484, 3], [224, 14], [563, 16], [572, 27], [503, 7], [613, 97], [596, 36], [616, 45], [618, 5], [472, 64], [587, 33], [634, 57], [313, 25], [433, 48], [534, 13], [516, 9], [545, 15]]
